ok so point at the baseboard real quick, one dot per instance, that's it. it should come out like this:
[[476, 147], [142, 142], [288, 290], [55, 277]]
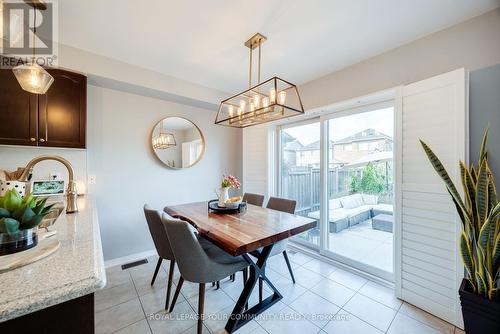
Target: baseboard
[[129, 258]]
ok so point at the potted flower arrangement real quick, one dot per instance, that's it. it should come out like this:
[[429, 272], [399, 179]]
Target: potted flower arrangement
[[19, 218], [479, 212], [228, 181]]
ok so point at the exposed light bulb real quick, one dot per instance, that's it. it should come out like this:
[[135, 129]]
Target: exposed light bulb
[[252, 106], [256, 100], [265, 102], [281, 97], [272, 95], [242, 104], [230, 110]]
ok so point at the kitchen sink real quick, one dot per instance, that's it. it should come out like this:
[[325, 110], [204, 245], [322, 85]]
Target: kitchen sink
[[52, 216]]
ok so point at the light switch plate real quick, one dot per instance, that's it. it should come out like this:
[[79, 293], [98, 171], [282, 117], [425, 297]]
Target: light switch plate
[[92, 179]]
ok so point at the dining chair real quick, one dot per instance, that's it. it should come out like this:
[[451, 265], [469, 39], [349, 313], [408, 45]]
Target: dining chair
[[284, 205], [162, 245], [198, 265], [253, 199]]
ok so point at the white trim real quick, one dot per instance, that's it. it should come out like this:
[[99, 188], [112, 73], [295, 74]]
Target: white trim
[[129, 258], [397, 165]]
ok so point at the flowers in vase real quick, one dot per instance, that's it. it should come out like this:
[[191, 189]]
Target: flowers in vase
[[230, 181]]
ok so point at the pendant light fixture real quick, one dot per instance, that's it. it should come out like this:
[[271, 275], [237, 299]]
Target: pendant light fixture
[[163, 140], [267, 101], [31, 76]]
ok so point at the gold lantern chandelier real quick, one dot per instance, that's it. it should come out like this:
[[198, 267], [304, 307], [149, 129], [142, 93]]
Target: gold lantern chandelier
[[163, 140], [267, 101], [31, 76]]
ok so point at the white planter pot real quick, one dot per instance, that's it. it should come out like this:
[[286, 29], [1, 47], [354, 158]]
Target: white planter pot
[[8, 185]]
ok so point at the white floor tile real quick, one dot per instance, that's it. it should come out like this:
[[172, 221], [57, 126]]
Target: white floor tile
[[348, 279], [427, 318], [382, 294], [215, 301], [114, 296], [403, 324], [181, 319], [346, 323], [154, 302], [320, 267], [288, 321], [306, 277], [317, 310], [140, 327], [370, 311], [117, 317], [333, 292]]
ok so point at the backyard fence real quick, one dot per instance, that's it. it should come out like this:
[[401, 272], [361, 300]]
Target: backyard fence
[[303, 185]]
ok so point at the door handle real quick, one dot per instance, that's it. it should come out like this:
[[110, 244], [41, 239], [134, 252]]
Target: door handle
[[42, 140], [32, 139]]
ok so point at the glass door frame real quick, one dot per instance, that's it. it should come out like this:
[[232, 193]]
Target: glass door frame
[[323, 119]]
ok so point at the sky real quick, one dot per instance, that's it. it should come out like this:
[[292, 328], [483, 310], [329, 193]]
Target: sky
[[341, 127]]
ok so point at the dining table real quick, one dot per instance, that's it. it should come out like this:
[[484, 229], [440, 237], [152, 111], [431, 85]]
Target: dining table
[[254, 231]]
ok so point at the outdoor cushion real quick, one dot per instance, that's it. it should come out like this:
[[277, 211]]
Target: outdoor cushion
[[357, 211], [352, 201], [335, 215], [370, 199], [334, 204], [382, 208]]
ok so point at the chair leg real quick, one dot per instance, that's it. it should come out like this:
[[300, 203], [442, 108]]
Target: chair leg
[[158, 264], [233, 277], [176, 294], [217, 285], [213, 283], [289, 266], [169, 284], [201, 306]]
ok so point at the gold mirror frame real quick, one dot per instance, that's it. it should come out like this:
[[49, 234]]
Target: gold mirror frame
[[202, 137]]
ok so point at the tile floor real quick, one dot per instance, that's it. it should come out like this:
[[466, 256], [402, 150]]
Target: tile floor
[[326, 299]]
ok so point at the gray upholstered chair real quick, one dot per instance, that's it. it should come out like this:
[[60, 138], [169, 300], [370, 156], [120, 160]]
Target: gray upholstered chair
[[253, 199], [162, 245], [196, 264]]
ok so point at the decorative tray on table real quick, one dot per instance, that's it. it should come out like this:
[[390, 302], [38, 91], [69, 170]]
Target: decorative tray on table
[[213, 206]]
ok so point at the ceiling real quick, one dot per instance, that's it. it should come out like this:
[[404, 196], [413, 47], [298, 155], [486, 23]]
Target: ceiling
[[202, 41]]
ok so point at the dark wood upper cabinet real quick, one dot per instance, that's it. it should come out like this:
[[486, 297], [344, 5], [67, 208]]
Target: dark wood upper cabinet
[[62, 111], [18, 112], [54, 119]]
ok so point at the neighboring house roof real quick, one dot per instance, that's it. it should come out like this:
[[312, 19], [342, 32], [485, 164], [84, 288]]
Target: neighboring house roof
[[294, 145], [365, 135]]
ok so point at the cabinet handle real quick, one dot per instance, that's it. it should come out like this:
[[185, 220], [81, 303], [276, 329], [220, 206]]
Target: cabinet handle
[[32, 139], [42, 140]]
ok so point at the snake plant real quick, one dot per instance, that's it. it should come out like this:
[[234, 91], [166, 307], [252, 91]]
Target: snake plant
[[21, 212], [479, 211]]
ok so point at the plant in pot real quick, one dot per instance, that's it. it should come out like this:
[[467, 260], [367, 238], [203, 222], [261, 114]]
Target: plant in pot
[[479, 244], [19, 218]]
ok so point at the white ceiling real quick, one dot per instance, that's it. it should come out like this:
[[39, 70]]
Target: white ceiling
[[202, 41]]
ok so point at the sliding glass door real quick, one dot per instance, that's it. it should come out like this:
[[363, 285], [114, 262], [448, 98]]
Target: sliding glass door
[[300, 172], [355, 162]]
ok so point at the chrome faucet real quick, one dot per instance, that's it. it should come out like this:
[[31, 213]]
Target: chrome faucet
[[71, 192]]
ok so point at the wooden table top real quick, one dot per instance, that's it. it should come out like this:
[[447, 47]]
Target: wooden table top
[[241, 233]]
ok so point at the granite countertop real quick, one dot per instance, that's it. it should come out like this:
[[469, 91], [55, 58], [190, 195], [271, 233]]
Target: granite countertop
[[75, 270]]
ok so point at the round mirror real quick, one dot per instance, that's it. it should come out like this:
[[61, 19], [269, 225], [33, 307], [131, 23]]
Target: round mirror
[[177, 142]]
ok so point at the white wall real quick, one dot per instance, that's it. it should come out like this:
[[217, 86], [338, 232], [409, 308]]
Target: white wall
[[128, 174], [472, 44]]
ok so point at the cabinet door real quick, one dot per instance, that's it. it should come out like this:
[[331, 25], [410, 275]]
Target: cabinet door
[[62, 111], [18, 112]]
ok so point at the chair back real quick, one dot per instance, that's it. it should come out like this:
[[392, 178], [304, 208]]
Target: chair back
[[253, 199], [282, 204], [192, 260], [158, 233]]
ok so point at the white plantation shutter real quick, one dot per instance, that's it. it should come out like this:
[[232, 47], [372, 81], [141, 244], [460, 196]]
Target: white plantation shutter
[[429, 270], [256, 163]]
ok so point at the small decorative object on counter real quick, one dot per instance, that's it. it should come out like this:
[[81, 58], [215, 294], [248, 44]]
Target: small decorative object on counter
[[18, 186], [228, 181], [213, 206], [19, 220]]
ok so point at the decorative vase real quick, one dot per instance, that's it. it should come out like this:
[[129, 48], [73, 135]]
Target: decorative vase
[[18, 242], [481, 315], [223, 195], [19, 186]]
